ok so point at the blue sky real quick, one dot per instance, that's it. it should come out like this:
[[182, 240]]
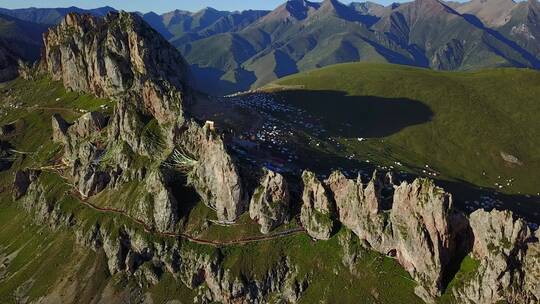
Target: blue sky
[[159, 6]]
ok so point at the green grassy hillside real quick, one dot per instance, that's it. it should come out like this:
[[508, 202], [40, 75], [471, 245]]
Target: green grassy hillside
[[480, 128]]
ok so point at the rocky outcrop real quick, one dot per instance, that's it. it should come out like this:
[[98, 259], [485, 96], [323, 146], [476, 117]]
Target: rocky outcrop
[[531, 268], [508, 256], [415, 222], [59, 129], [360, 208], [317, 208], [116, 56], [269, 204], [89, 124], [122, 58], [164, 204], [127, 126], [426, 229], [21, 182], [214, 173], [81, 151], [450, 56]]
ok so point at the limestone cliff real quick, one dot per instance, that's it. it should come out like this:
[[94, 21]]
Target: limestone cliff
[[415, 222], [270, 203], [317, 208], [122, 58], [508, 255], [116, 56]]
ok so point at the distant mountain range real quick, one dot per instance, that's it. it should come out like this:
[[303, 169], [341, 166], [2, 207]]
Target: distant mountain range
[[239, 50]]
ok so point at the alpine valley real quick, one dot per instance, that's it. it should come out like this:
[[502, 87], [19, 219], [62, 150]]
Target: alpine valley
[[317, 153]]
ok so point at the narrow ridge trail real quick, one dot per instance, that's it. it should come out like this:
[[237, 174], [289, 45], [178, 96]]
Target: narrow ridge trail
[[189, 238]]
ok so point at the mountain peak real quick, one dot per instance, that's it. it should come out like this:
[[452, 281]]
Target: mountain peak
[[298, 9], [426, 7], [491, 12], [137, 60], [367, 8]]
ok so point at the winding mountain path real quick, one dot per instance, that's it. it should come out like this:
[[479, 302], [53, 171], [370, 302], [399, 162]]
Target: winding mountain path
[[214, 243]]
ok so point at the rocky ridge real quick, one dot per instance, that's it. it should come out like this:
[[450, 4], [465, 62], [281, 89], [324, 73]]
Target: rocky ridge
[[270, 202], [417, 224], [120, 57], [414, 222]]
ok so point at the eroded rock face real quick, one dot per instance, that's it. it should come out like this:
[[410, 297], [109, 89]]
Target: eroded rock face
[[122, 58], [425, 228], [59, 127], [269, 205], [359, 207], [164, 205], [317, 208], [21, 182], [81, 152], [414, 222], [89, 124], [501, 244], [115, 55], [127, 126], [214, 175], [531, 269]]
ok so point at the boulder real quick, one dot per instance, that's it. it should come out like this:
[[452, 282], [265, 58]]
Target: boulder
[[317, 210], [270, 202]]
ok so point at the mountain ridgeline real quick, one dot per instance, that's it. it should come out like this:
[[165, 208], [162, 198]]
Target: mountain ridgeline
[[301, 35], [128, 157], [235, 51]]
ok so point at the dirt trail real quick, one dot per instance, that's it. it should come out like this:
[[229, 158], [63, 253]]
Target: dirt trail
[[184, 236]]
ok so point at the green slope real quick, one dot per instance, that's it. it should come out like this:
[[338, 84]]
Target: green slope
[[460, 124]]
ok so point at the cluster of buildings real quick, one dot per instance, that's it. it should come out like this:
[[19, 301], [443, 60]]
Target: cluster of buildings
[[274, 142]]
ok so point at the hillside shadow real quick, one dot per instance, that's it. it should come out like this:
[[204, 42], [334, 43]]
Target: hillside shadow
[[210, 80], [349, 116]]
